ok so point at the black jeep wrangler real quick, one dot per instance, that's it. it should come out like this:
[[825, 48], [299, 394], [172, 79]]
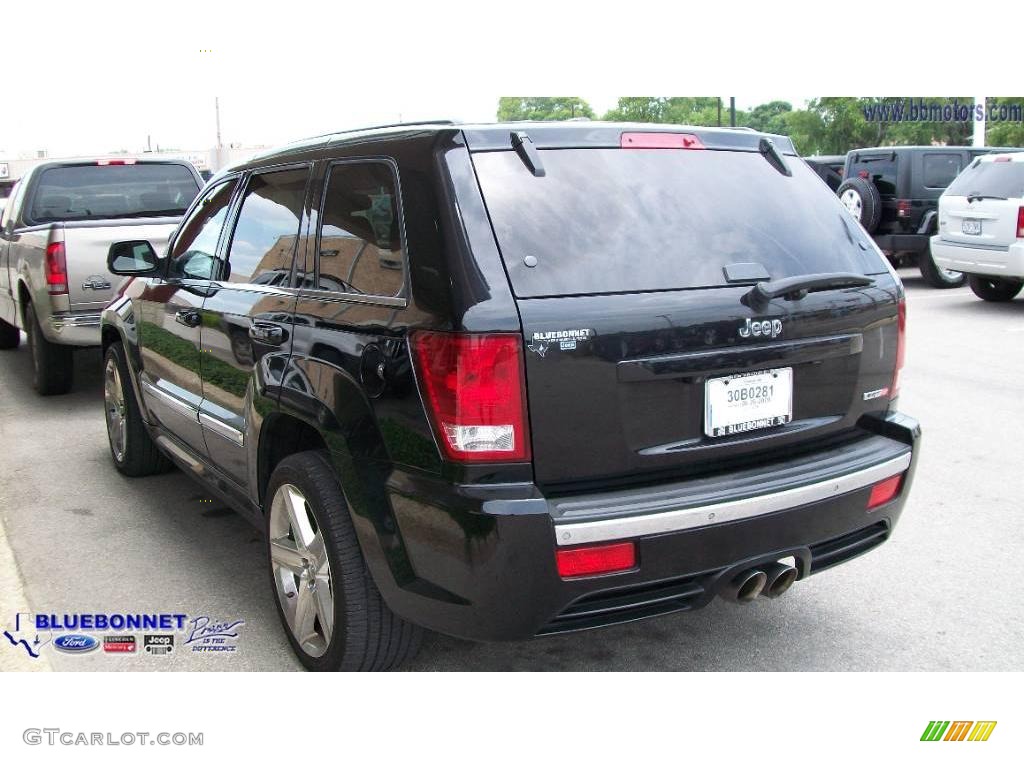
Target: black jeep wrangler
[[895, 191], [509, 380]]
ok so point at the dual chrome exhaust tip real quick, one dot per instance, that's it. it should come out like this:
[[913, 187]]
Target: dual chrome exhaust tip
[[768, 581]]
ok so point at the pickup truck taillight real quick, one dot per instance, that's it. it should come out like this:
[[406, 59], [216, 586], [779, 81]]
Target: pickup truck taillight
[[56, 269], [474, 389], [1020, 222], [901, 347]]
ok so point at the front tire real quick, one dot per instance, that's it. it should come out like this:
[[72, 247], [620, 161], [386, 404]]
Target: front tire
[[994, 288], [10, 336], [936, 276], [52, 364], [329, 605], [132, 449]]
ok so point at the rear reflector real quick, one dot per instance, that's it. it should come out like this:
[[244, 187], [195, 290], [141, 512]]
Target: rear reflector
[[647, 140], [475, 392], [56, 269], [901, 347], [885, 491], [591, 561]]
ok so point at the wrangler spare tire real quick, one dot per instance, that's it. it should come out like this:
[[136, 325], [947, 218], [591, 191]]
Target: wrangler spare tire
[[861, 198]]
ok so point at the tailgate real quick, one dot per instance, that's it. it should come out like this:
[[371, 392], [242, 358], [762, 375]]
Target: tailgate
[[630, 266], [86, 244], [626, 394], [983, 223]]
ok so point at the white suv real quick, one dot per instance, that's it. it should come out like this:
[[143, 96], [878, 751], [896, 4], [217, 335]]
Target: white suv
[[981, 226]]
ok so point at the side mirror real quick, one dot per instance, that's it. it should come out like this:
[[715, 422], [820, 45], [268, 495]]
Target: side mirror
[[132, 258]]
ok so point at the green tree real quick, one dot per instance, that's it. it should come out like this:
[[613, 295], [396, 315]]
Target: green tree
[[1008, 132], [543, 108], [681, 110], [770, 117]]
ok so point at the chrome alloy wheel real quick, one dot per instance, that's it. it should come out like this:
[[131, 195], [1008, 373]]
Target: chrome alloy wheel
[[302, 572], [853, 202], [116, 411]]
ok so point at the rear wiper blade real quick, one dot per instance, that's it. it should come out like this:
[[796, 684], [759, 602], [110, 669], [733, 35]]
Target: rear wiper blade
[[793, 288], [977, 196], [523, 145], [771, 153]]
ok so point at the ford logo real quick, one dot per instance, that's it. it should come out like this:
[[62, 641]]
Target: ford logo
[[75, 643]]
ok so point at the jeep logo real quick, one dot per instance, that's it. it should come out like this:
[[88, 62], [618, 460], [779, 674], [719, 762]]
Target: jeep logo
[[770, 328]]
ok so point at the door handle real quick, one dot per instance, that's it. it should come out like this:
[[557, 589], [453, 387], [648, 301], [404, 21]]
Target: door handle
[[267, 333], [188, 317]]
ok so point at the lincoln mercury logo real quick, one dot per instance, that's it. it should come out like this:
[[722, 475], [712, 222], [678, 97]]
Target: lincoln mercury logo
[[566, 340], [958, 730], [770, 328]]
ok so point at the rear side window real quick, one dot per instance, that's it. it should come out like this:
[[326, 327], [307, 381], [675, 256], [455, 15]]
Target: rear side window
[[940, 169], [617, 220], [1002, 179], [194, 251], [359, 242], [267, 230], [89, 192], [881, 170]]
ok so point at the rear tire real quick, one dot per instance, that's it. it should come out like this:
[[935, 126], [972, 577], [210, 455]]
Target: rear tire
[[994, 288], [132, 449], [936, 276], [52, 364], [10, 336], [314, 556], [861, 198]]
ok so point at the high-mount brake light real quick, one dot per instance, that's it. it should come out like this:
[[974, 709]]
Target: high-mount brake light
[[474, 387], [654, 140], [56, 268], [118, 161]]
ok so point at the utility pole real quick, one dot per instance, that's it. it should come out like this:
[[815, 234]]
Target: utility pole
[[978, 139], [732, 111], [719, 111], [216, 110]]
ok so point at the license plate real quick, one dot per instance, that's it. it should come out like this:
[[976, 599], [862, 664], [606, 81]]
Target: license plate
[[748, 401], [971, 226]]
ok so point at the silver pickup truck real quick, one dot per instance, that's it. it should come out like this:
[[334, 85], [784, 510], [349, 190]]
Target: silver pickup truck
[[54, 235]]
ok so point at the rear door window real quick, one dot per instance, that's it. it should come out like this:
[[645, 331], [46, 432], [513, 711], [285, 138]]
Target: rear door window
[[134, 190], [1001, 179], [625, 220], [359, 243], [939, 169]]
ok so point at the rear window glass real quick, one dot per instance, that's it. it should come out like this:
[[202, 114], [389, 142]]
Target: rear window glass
[[998, 179], [881, 170], [81, 192], [618, 220]]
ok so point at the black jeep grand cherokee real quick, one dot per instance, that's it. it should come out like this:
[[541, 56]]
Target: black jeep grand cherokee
[[503, 381]]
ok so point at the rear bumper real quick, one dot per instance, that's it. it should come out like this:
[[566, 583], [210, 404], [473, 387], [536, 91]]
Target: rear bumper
[[481, 561], [79, 329], [997, 262], [897, 243]]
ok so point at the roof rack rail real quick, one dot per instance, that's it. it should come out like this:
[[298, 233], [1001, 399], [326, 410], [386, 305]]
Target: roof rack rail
[[393, 125]]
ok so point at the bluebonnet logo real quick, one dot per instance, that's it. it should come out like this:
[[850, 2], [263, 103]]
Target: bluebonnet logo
[[34, 631], [75, 643], [206, 635]]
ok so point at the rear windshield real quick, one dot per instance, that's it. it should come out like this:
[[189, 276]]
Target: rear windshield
[[80, 192], [880, 169], [622, 220], [999, 179]]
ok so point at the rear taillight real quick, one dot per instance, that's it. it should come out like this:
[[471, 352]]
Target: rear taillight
[[901, 347], [56, 269], [903, 208], [475, 391], [595, 560], [1020, 222], [885, 491], [652, 140]]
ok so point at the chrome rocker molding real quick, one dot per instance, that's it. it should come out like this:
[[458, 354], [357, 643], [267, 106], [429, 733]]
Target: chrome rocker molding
[[223, 430], [634, 526], [176, 405]]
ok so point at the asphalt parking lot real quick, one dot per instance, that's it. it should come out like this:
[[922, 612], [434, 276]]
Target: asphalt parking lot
[[939, 596]]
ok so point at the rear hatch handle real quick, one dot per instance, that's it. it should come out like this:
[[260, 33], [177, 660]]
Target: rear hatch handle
[[793, 288]]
